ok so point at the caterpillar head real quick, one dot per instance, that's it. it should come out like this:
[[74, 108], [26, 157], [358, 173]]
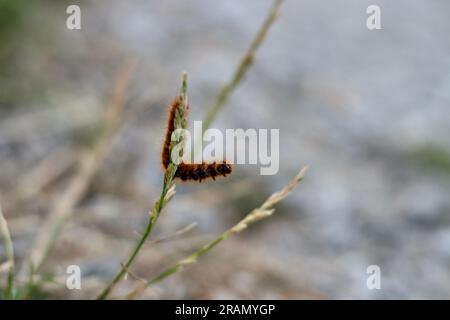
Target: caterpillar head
[[224, 168]]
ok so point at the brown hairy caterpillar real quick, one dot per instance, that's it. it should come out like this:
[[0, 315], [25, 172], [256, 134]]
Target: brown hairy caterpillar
[[189, 171], [199, 172], [165, 156]]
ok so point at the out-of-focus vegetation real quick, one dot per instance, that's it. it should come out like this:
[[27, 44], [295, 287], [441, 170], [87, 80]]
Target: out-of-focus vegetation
[[434, 157], [12, 18], [25, 39]]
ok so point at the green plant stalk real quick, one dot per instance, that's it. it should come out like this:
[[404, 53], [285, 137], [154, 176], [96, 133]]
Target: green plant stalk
[[9, 252], [168, 190], [262, 212], [244, 65]]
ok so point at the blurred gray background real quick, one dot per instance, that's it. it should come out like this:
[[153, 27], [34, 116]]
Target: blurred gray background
[[367, 110]]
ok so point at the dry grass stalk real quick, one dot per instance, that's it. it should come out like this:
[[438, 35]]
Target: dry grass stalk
[[8, 266], [88, 164], [245, 64], [262, 212]]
